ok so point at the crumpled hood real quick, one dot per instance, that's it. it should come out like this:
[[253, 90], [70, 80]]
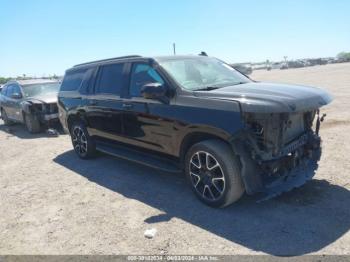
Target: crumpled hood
[[44, 98], [272, 97]]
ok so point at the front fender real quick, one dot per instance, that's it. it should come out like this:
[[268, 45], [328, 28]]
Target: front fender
[[26, 107]]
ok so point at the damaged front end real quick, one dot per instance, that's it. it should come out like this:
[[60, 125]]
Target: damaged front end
[[44, 112], [278, 151]]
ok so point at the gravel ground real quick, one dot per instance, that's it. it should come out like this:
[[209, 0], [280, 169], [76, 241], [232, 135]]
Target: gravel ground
[[53, 203]]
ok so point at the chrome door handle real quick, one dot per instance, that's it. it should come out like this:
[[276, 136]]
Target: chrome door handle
[[92, 102], [127, 106]]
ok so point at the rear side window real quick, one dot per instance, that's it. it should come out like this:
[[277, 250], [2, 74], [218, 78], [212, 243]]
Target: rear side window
[[73, 79], [110, 79], [88, 81]]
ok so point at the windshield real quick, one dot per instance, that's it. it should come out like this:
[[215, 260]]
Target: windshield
[[202, 72], [40, 89]]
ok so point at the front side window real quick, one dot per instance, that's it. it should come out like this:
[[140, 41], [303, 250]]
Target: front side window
[[10, 90], [17, 90], [143, 74], [110, 79], [201, 72]]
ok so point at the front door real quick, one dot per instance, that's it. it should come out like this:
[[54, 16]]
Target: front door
[[144, 125], [16, 103], [11, 104]]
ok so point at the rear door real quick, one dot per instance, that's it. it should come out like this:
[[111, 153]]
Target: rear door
[[105, 106]]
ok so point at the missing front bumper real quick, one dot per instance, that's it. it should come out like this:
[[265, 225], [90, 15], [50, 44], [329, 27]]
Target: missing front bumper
[[293, 168], [296, 177]]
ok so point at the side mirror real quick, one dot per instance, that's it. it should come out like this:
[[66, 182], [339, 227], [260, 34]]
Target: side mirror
[[16, 96], [155, 91]]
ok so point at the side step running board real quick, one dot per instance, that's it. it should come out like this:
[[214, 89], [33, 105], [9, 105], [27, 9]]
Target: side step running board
[[122, 152]]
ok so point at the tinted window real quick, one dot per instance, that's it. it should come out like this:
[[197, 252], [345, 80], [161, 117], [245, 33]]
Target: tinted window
[[143, 74], [87, 84], [72, 79], [110, 79]]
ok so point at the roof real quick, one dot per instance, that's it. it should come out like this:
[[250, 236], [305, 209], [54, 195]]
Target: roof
[[34, 81], [108, 60], [133, 57], [179, 57]]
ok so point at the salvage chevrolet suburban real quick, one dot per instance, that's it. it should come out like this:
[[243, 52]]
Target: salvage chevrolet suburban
[[197, 115]]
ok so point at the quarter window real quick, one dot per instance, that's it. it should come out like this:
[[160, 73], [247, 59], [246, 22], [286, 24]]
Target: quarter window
[[72, 80], [111, 79], [143, 74]]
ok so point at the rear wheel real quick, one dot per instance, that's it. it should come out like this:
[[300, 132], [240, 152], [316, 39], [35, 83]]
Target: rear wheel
[[5, 117], [214, 173], [84, 145], [32, 123]]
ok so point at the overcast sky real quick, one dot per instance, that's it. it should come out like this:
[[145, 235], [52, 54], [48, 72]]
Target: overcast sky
[[46, 37]]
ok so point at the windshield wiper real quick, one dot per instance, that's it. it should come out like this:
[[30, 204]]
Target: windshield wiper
[[239, 83], [206, 88]]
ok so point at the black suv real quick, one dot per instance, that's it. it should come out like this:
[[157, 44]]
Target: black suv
[[195, 114]]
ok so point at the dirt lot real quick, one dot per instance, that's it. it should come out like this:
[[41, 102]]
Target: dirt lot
[[53, 203]]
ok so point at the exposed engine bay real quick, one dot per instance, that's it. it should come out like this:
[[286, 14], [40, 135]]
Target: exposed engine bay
[[277, 135], [279, 147]]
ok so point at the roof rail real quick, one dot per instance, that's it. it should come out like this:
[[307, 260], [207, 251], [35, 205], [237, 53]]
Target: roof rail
[[108, 59]]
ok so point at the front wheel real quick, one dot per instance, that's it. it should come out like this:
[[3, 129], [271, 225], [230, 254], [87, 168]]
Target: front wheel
[[213, 172], [84, 145]]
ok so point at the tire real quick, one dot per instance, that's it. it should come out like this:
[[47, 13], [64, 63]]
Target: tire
[[216, 179], [32, 123], [84, 145], [4, 117]]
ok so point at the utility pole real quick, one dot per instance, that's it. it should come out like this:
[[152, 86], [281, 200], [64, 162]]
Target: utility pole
[[174, 48]]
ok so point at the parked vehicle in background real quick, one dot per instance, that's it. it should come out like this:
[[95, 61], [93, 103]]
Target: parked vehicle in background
[[32, 102], [317, 61], [284, 66], [295, 64], [243, 68], [195, 114]]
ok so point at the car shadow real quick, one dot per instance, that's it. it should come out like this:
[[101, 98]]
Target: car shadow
[[20, 131], [302, 221]]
